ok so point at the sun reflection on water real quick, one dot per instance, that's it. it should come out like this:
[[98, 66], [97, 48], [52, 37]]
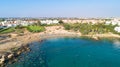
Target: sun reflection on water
[[116, 44]]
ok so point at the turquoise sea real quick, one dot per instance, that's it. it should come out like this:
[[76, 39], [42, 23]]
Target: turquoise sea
[[71, 52]]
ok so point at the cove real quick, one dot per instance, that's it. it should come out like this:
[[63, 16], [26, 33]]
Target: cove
[[71, 52]]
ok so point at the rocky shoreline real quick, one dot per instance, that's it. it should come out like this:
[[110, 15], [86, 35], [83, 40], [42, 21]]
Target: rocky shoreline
[[8, 54], [10, 57]]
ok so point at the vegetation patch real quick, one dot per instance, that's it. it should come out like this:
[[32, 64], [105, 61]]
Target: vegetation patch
[[35, 28], [7, 30], [86, 28]]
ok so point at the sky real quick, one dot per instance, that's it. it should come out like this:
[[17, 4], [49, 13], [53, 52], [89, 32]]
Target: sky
[[60, 8]]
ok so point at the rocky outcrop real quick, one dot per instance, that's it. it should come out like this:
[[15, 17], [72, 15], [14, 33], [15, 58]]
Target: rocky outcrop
[[9, 57], [95, 38], [2, 60]]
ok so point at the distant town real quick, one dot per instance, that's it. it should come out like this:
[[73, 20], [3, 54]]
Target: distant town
[[13, 22]]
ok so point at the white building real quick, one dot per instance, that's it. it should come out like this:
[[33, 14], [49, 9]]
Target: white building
[[7, 24], [49, 22], [113, 22], [117, 29], [108, 22], [24, 23]]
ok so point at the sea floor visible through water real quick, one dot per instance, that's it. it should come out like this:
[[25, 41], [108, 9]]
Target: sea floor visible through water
[[71, 52]]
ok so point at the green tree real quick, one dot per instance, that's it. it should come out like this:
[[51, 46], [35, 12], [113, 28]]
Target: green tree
[[61, 22]]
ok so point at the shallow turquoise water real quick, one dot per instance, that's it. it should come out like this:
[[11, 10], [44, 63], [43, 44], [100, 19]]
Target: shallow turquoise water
[[71, 52]]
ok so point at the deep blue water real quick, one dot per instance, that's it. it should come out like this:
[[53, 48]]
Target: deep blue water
[[71, 52]]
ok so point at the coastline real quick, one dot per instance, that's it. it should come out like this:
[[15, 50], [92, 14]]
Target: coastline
[[13, 47], [100, 36]]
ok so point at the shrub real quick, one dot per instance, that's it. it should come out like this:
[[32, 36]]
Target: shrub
[[67, 26], [61, 22]]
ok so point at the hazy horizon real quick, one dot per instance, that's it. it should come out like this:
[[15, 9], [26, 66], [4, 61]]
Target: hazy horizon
[[60, 8]]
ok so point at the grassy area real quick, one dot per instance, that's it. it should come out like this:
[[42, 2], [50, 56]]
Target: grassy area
[[8, 30], [35, 28], [12, 29], [21, 29], [86, 28]]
